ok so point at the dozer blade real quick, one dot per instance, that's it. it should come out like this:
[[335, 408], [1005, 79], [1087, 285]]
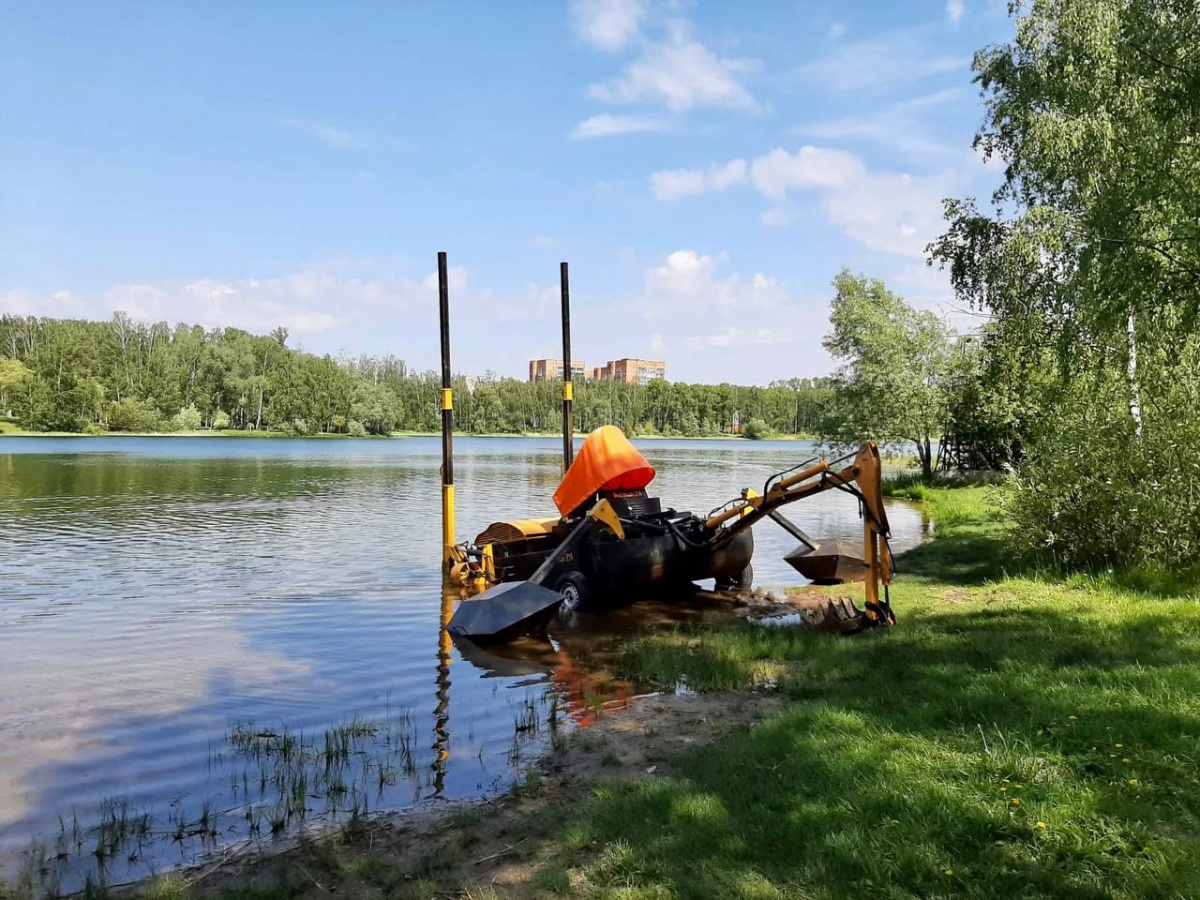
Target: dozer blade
[[832, 562], [503, 611]]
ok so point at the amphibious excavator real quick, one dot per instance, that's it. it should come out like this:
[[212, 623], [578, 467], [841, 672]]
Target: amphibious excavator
[[612, 541]]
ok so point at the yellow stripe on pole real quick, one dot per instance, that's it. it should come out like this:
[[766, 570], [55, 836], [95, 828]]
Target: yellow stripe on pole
[[447, 398], [568, 390], [447, 520]]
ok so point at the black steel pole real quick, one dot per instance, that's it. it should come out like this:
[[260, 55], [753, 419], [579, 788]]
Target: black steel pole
[[568, 386], [447, 414]]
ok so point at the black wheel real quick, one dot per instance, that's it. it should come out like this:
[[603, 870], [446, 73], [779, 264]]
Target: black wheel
[[742, 581], [575, 590]]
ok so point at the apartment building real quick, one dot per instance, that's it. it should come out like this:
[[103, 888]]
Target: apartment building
[[631, 371], [552, 370]]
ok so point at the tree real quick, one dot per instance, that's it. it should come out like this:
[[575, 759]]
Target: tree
[[14, 375], [1091, 250], [891, 384], [1093, 237]]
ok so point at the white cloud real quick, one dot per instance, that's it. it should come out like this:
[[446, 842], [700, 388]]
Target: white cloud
[[731, 337], [837, 30], [681, 73], [687, 283], [888, 61], [889, 211], [895, 213], [673, 184], [689, 305], [778, 172], [607, 24], [955, 9], [608, 125], [898, 128], [330, 135]]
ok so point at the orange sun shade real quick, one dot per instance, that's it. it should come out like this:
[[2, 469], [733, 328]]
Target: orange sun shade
[[606, 462]]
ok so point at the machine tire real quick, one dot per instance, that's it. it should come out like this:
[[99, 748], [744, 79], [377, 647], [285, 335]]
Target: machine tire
[[575, 588], [742, 581]]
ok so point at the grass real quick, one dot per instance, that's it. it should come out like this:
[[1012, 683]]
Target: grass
[[1018, 735]]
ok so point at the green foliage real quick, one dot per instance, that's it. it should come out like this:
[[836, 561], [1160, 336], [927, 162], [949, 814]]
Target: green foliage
[[249, 382], [1094, 493], [188, 419], [1089, 262], [131, 414], [756, 430], [895, 363], [356, 428]]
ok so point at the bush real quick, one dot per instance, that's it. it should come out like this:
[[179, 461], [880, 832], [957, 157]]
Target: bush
[[188, 419], [220, 420], [94, 429], [756, 430], [130, 414], [356, 428], [1094, 494]]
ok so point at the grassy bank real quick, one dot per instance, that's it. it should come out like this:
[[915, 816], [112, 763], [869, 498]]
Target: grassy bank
[[1016, 735]]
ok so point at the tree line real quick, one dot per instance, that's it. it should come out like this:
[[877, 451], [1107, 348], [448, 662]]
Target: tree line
[[122, 375]]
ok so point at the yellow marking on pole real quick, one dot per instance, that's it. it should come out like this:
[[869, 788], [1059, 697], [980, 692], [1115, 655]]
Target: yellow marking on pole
[[568, 390], [447, 522], [447, 398]]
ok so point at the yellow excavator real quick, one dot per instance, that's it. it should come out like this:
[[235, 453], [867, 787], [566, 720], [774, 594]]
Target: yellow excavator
[[613, 541]]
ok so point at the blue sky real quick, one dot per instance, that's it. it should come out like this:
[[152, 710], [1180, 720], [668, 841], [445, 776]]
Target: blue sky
[[706, 169]]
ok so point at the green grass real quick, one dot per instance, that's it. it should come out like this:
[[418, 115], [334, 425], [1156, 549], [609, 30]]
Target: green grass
[[1017, 735]]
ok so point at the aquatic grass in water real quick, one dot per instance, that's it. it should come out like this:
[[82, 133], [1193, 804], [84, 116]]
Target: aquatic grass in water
[[279, 779]]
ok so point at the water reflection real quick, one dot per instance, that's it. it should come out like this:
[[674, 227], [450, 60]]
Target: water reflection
[[210, 640]]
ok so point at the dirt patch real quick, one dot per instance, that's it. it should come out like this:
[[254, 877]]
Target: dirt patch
[[494, 844]]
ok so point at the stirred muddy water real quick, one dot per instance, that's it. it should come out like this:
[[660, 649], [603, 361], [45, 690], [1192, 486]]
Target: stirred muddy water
[[206, 641]]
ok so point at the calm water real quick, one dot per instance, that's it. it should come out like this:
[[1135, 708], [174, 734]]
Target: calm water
[[205, 640]]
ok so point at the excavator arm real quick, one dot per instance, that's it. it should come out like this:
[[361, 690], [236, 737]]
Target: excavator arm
[[859, 474]]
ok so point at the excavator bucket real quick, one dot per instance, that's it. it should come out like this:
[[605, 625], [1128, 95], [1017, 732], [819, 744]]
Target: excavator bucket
[[504, 611], [831, 562]]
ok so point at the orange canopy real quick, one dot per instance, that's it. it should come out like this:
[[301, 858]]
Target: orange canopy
[[606, 462]]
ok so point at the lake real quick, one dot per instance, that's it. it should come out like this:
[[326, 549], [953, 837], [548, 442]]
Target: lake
[[207, 641]]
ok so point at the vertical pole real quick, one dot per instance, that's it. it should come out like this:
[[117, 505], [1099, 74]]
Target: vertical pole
[[568, 388], [447, 416]]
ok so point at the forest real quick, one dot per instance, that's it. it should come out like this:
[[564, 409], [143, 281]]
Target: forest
[[122, 375]]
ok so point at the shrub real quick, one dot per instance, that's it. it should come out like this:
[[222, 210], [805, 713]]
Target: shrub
[[1094, 493], [756, 430], [220, 420], [130, 414], [356, 428], [188, 419], [94, 428]]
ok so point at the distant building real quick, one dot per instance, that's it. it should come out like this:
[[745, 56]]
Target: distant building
[[552, 370], [631, 371]]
